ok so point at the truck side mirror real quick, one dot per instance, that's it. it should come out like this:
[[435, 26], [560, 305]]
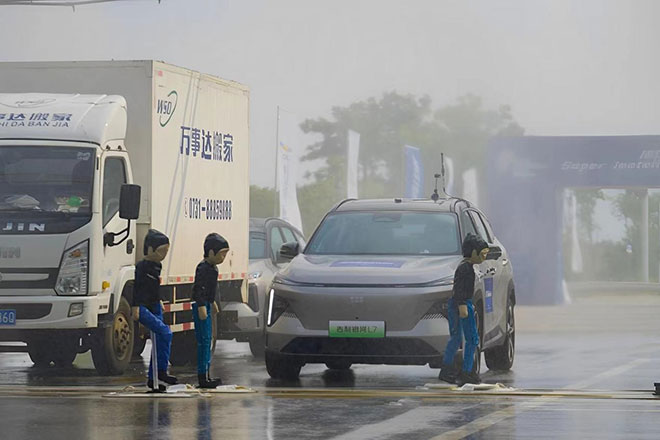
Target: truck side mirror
[[129, 209], [288, 251], [129, 202]]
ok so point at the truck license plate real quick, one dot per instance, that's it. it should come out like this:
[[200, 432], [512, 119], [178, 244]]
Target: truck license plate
[[7, 317], [356, 329]]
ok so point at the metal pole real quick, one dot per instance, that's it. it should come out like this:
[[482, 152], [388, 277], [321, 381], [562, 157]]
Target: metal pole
[[645, 235], [277, 155]]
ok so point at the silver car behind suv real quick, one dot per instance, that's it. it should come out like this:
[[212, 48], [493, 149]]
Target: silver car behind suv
[[372, 287], [245, 321]]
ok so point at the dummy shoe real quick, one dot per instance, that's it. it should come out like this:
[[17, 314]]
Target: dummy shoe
[[216, 381], [448, 374], [164, 377], [150, 385], [205, 383], [464, 378]]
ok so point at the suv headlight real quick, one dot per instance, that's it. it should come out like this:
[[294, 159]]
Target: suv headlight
[[276, 306], [72, 279]]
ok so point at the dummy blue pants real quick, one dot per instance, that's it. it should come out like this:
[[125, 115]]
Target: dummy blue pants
[[204, 336], [154, 322], [457, 327]]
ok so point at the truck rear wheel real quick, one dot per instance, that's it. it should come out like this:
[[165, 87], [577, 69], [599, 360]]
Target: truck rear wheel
[[60, 350], [65, 351], [113, 347], [139, 341], [40, 352], [184, 349], [184, 346]]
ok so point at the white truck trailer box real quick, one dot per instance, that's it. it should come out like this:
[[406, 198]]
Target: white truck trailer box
[[181, 135]]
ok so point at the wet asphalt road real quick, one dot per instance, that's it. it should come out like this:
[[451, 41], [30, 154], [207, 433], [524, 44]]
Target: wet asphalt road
[[582, 371]]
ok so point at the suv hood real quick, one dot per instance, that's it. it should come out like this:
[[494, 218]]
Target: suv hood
[[339, 270]]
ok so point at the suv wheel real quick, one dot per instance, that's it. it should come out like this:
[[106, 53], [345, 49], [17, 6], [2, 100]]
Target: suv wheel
[[338, 365], [279, 367], [477, 353], [501, 358]]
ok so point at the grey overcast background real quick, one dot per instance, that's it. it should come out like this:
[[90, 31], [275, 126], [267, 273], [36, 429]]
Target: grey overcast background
[[565, 66]]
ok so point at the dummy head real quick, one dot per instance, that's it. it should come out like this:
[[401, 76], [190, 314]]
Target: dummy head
[[156, 245], [474, 249], [215, 248]]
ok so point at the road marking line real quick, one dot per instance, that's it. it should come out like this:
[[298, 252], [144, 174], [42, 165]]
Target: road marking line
[[498, 416]]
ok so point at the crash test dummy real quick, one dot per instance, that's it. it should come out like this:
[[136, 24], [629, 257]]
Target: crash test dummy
[[204, 305], [461, 315], [147, 307]]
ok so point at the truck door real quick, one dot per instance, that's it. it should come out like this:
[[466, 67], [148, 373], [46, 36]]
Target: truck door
[[114, 175]]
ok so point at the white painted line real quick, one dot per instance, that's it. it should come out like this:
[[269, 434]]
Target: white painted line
[[498, 416]]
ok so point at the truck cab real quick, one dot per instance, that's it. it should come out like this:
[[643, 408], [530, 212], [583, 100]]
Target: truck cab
[[63, 163]]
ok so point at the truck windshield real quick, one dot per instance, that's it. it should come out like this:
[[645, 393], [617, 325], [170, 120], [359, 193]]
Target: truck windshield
[[386, 233], [46, 179]]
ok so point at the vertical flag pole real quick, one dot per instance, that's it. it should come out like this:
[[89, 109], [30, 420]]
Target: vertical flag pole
[[277, 155]]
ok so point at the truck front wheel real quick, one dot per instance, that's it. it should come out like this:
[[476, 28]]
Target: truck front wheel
[[113, 347]]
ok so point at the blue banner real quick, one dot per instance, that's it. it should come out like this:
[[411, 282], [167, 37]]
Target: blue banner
[[414, 173]]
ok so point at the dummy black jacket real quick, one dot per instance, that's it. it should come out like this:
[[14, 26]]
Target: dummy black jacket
[[206, 283], [146, 288], [463, 282]]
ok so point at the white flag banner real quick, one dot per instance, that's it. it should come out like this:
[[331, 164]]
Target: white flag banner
[[288, 151], [352, 164], [576, 252], [470, 190], [449, 175]]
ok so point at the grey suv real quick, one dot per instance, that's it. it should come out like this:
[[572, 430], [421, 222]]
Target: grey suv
[[245, 321], [372, 286]]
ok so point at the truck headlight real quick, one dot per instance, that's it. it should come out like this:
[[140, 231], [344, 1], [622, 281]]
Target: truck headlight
[[72, 279]]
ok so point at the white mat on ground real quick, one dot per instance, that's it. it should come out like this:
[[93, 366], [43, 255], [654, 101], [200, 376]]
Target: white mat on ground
[[495, 387], [143, 393], [186, 388]]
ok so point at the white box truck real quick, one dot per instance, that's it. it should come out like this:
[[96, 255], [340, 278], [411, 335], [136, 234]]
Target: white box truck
[[74, 136]]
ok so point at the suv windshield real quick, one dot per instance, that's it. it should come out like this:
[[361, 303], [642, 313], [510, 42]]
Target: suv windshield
[[46, 179], [386, 233]]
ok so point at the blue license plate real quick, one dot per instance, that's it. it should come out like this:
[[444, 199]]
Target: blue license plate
[[7, 317]]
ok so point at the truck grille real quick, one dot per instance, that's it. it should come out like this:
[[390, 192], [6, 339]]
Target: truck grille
[[17, 278], [28, 311]]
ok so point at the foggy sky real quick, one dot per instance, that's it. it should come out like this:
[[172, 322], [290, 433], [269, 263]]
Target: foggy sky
[[566, 67]]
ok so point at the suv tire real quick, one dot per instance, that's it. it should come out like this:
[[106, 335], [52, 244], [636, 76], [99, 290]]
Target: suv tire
[[279, 367], [501, 357]]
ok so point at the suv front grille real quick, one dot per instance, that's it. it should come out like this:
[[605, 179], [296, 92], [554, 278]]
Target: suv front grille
[[360, 347]]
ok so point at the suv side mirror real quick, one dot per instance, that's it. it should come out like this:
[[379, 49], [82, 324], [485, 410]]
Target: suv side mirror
[[288, 251], [494, 253], [129, 202]]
